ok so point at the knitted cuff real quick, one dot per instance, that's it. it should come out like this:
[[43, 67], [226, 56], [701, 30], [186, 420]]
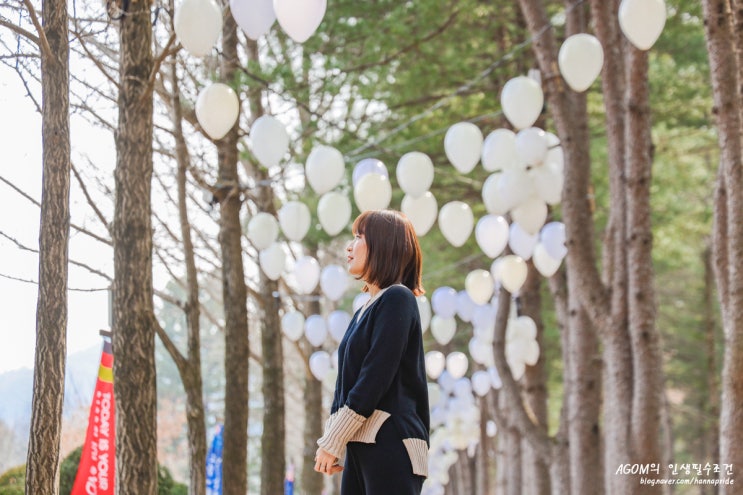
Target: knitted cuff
[[339, 429]]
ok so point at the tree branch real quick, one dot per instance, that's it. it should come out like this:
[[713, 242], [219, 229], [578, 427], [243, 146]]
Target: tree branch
[[19, 30], [41, 40]]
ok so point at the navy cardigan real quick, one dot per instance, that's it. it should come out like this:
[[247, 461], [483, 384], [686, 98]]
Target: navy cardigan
[[381, 364]]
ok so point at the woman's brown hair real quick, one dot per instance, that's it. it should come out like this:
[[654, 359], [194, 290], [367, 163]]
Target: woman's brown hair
[[393, 253]]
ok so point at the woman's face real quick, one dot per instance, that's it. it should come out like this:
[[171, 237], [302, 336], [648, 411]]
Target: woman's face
[[356, 255]]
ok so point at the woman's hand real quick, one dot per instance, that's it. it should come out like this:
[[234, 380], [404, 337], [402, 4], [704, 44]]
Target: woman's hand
[[326, 463]]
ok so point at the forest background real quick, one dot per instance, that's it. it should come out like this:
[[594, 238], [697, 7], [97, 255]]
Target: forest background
[[378, 79]]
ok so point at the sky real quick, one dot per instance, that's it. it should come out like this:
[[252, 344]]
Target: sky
[[20, 164]]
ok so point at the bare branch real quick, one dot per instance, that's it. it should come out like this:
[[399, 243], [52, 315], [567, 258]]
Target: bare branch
[[91, 203], [19, 30], [41, 40]]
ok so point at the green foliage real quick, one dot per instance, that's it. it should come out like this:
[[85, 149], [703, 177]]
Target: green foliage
[[68, 471], [13, 481]]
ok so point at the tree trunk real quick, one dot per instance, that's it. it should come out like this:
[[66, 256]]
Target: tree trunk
[[711, 407], [234, 295], [273, 438], [724, 26], [535, 470], [133, 311], [42, 467], [583, 369], [647, 370], [191, 371], [312, 481]]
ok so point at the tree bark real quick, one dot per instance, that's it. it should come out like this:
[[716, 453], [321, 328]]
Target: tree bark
[[42, 467], [312, 481], [190, 371], [237, 346], [647, 371], [723, 23], [273, 438], [535, 470], [133, 310]]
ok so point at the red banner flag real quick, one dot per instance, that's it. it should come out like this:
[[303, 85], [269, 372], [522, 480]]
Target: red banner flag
[[95, 474]]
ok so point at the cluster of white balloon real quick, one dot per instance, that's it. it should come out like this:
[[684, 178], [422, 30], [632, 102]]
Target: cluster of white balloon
[[198, 23], [526, 167]]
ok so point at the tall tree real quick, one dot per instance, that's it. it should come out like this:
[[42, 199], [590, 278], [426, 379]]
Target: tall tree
[[724, 30], [234, 292], [133, 309], [51, 311], [627, 320]]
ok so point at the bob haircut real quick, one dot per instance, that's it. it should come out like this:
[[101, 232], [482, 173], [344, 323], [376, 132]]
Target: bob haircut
[[393, 253]]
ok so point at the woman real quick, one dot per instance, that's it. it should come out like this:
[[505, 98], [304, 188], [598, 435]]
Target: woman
[[380, 417]]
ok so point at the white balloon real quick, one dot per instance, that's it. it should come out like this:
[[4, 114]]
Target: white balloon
[[545, 264], [444, 302], [324, 168], [294, 219], [360, 300], [415, 173], [421, 211], [484, 315], [368, 166], [300, 18], [338, 322], [424, 309], [292, 325], [531, 352], [499, 150], [373, 192], [580, 60], [481, 351], [269, 140], [521, 242], [263, 230], [435, 363], [465, 306], [463, 146], [521, 328], [530, 214], [548, 181], [334, 212], [320, 364], [481, 382], [491, 233], [334, 282], [494, 203], [463, 390], [443, 329], [531, 145], [456, 222], [217, 109], [495, 377], [272, 261], [479, 285], [198, 24], [552, 236], [315, 330], [434, 394], [510, 271], [491, 429], [642, 21], [456, 364], [255, 17], [307, 273], [522, 100], [514, 187]]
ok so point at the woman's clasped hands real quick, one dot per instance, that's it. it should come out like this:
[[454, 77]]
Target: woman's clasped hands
[[326, 463]]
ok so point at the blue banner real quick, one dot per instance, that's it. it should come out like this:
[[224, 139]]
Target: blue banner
[[214, 465], [289, 480]]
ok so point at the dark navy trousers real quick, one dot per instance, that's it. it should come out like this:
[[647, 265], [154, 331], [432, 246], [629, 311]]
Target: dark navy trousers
[[381, 468]]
